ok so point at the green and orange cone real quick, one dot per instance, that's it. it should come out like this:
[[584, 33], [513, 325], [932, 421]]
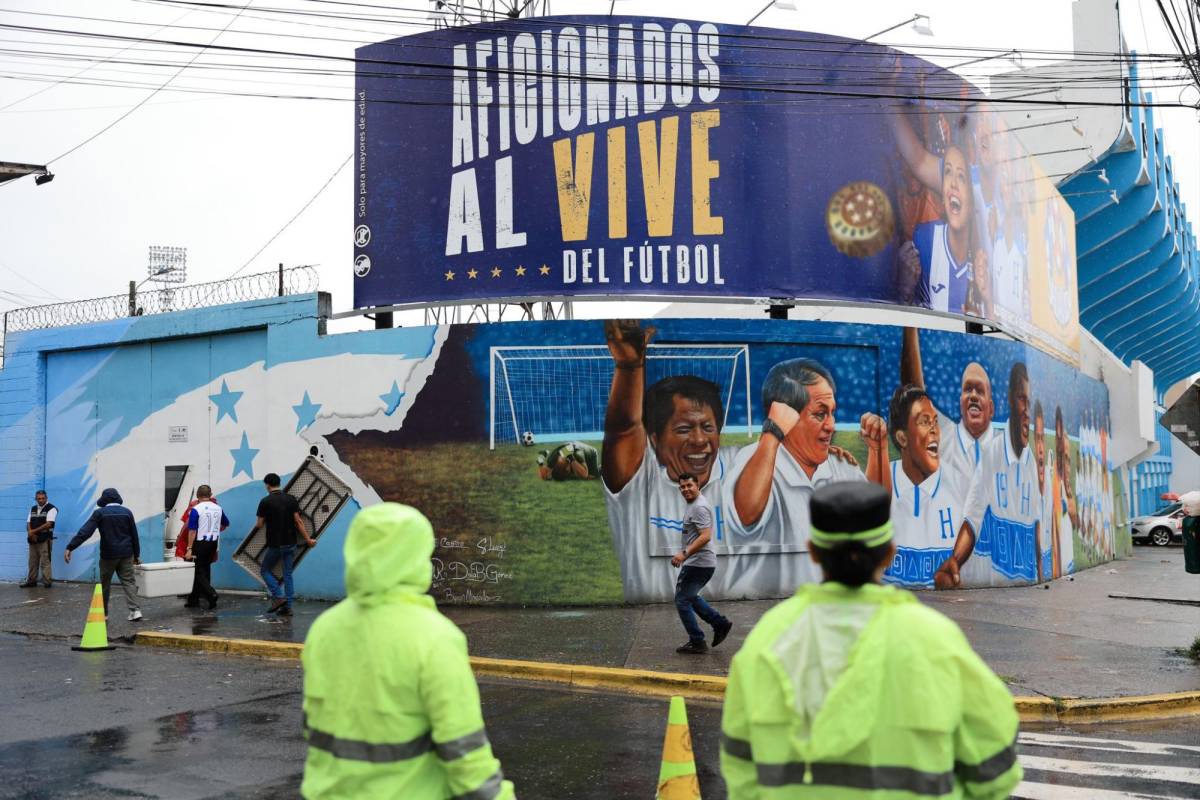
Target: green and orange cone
[[95, 630], [677, 777]]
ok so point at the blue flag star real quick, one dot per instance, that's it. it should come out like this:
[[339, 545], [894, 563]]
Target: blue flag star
[[392, 399], [306, 413], [226, 402], [243, 457]]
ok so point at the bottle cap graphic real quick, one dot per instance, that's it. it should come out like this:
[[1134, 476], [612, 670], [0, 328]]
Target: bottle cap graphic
[[859, 219]]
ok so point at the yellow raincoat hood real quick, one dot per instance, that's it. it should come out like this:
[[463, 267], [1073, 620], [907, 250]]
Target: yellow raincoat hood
[[388, 552]]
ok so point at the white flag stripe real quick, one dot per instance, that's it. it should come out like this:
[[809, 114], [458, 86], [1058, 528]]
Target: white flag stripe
[[1050, 791], [1114, 745], [1096, 768]]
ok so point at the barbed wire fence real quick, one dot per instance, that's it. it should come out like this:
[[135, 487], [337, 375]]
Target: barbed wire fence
[[140, 302]]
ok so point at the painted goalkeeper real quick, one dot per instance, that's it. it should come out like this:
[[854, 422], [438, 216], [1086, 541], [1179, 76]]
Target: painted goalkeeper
[[570, 460]]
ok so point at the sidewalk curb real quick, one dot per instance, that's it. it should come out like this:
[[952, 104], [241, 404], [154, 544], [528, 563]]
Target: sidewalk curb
[[704, 687]]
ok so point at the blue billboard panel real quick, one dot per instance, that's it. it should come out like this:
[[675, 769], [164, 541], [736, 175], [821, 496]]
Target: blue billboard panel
[[574, 156]]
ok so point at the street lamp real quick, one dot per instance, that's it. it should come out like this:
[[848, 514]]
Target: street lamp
[[785, 5], [920, 24]]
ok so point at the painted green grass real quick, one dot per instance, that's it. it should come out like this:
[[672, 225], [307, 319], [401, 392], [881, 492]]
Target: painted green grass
[[557, 548], [557, 545]]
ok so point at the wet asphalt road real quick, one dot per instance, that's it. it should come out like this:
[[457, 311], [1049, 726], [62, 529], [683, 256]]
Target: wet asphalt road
[[136, 723]]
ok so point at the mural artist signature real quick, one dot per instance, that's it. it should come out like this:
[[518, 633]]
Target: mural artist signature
[[484, 546], [472, 572], [450, 596]]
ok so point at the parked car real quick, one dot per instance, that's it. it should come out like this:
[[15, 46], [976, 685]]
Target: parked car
[[1160, 528]]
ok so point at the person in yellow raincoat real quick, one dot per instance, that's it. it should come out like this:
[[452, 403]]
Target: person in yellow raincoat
[[390, 703], [850, 689]]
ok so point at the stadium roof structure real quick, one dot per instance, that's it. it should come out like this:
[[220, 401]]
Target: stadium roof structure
[[10, 171], [1139, 286]]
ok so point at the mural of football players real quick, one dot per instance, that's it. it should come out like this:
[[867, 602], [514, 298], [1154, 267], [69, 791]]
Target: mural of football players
[[925, 512], [1003, 506], [652, 435], [1045, 473], [962, 442], [1066, 515]]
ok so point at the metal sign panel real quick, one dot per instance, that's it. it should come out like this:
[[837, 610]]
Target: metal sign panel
[[321, 495], [1183, 418]]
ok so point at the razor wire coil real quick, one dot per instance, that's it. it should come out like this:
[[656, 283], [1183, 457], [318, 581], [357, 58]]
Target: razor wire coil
[[294, 280]]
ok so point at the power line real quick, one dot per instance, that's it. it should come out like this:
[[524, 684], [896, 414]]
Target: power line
[[296, 216], [145, 99], [956, 98], [20, 100]]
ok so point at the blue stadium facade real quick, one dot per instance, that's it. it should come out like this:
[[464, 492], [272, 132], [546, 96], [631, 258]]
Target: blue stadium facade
[[1139, 292]]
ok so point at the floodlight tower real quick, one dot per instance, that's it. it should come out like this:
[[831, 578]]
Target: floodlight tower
[[166, 265]]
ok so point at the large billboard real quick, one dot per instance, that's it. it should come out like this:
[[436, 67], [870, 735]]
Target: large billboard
[[574, 156]]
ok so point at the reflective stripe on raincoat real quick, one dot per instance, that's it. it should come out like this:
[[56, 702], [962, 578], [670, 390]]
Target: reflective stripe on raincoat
[[856, 693], [391, 706]]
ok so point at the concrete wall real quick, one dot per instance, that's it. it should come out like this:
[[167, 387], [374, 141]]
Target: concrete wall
[[425, 415]]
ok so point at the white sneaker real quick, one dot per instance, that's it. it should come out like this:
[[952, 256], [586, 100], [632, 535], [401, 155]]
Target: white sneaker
[[135, 616]]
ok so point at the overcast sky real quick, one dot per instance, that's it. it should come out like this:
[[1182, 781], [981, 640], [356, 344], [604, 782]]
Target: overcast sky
[[221, 175]]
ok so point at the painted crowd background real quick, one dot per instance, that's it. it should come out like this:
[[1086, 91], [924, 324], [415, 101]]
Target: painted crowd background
[[624, 155], [498, 433]]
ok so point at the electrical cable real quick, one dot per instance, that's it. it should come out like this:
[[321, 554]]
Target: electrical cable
[[955, 98], [144, 100], [295, 216]]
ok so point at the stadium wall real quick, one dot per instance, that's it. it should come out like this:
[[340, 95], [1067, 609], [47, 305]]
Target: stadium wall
[[437, 417]]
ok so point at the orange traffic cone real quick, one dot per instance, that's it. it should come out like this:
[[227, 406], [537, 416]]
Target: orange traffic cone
[[677, 777], [95, 630]]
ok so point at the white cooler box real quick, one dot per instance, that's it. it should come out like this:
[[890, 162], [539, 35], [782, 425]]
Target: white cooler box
[[165, 579]]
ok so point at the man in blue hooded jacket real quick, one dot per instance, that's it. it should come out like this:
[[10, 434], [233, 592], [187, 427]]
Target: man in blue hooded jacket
[[120, 550]]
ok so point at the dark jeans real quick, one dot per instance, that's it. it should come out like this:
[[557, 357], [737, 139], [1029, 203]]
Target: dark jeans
[[688, 600], [202, 553], [271, 557]]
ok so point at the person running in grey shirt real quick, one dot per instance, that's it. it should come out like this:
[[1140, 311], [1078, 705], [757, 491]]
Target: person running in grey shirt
[[697, 563]]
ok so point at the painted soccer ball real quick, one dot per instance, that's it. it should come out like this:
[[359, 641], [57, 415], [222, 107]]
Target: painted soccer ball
[[527, 438]]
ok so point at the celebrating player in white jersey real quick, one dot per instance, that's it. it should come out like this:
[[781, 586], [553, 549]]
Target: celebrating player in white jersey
[[647, 446], [962, 443], [926, 508], [1045, 475], [1066, 512], [1001, 515], [773, 478]]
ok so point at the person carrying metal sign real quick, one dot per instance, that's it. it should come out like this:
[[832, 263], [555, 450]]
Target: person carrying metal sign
[[853, 689], [391, 706]]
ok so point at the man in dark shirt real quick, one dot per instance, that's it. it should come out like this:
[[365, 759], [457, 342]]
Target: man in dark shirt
[[39, 530], [279, 513], [120, 549]]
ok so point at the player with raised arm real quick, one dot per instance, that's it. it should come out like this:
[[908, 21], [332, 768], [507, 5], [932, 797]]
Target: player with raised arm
[[962, 442], [1001, 515], [651, 437]]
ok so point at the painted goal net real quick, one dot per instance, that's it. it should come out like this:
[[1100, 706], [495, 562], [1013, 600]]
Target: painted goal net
[[555, 393]]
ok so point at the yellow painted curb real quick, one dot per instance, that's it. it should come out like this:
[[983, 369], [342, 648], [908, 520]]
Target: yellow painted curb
[[703, 687], [217, 644]]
